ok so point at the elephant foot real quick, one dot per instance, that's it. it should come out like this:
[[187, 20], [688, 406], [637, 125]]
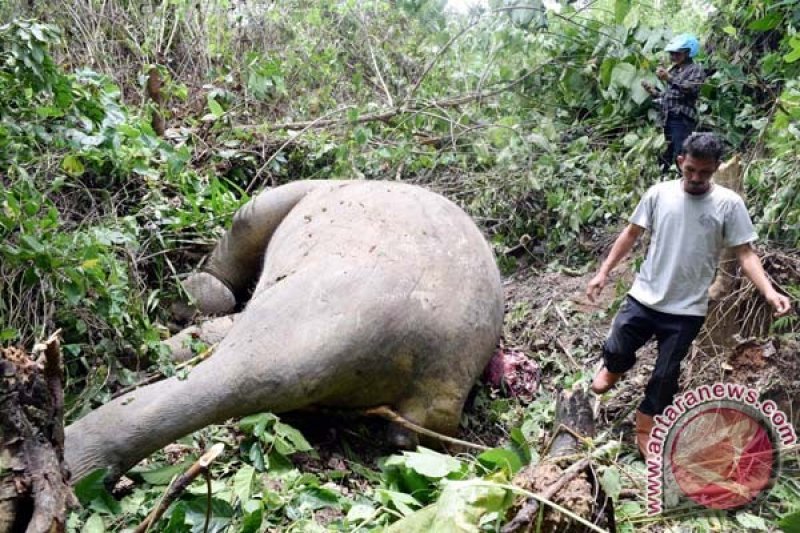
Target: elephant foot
[[210, 295], [401, 437]]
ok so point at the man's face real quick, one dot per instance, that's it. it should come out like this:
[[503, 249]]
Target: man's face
[[677, 57], [697, 173]]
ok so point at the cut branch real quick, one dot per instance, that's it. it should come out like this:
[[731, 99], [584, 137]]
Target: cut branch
[[177, 487]]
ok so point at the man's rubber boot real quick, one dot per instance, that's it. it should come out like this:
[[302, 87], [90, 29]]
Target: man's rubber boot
[[644, 423], [604, 380]]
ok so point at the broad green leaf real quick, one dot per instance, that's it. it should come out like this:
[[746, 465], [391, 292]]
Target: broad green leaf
[[611, 482], [400, 500], [94, 525], [134, 502], [72, 166], [243, 482], [298, 442], [253, 516], [540, 141], [459, 509], [359, 512], [730, 30], [794, 55], [163, 475], [361, 135], [621, 10], [91, 486], [416, 522], [215, 108], [638, 94], [221, 514], [36, 30], [431, 464], [499, 458], [751, 521], [8, 334], [177, 519], [790, 523], [766, 23], [256, 424], [200, 486], [622, 75]]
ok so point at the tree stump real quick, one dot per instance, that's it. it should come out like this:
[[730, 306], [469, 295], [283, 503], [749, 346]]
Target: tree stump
[[569, 487], [34, 485], [721, 322]]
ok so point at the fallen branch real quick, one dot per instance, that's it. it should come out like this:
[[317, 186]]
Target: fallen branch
[[202, 356], [177, 487], [390, 415], [407, 106]]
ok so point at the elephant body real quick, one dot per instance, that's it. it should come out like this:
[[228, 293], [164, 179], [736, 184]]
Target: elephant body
[[366, 293]]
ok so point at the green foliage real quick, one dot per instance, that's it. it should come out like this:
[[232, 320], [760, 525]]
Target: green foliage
[[88, 214], [99, 216]]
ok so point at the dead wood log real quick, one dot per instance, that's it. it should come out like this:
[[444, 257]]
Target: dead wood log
[[568, 487], [721, 322], [34, 486]]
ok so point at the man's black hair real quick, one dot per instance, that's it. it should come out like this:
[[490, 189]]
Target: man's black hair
[[703, 146]]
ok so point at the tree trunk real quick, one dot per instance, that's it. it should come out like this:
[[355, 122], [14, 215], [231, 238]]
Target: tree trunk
[[34, 488]]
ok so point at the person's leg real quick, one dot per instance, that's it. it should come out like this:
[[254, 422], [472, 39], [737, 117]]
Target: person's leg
[[666, 156], [632, 328], [675, 334], [682, 127], [676, 129]]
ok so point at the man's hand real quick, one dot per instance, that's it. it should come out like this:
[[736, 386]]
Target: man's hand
[[648, 87], [662, 73], [754, 270], [779, 302], [595, 286]]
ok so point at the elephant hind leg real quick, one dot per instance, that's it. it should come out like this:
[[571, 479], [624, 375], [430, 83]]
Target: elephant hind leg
[[431, 408]]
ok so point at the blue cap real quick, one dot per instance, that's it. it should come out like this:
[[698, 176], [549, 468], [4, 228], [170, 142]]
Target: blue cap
[[685, 41]]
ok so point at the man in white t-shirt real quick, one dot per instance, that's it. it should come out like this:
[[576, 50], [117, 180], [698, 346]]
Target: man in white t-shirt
[[690, 221]]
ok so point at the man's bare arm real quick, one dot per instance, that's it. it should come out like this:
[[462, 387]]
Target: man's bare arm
[[622, 246], [752, 268]]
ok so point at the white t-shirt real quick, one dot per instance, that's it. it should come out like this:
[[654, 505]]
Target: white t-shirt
[[688, 233]]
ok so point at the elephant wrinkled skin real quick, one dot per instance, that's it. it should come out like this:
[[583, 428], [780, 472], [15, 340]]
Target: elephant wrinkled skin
[[366, 293]]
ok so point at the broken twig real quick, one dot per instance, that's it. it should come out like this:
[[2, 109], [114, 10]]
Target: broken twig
[[390, 415], [177, 487]]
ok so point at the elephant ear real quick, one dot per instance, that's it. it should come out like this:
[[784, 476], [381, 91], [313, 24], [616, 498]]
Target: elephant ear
[[209, 294]]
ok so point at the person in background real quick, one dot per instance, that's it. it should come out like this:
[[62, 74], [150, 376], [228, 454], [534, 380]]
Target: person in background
[[678, 100], [690, 221]]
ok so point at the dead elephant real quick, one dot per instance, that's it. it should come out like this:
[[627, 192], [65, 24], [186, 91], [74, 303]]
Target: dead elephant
[[366, 294]]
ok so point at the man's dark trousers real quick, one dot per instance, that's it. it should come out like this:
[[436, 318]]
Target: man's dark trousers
[[633, 326], [677, 128]]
